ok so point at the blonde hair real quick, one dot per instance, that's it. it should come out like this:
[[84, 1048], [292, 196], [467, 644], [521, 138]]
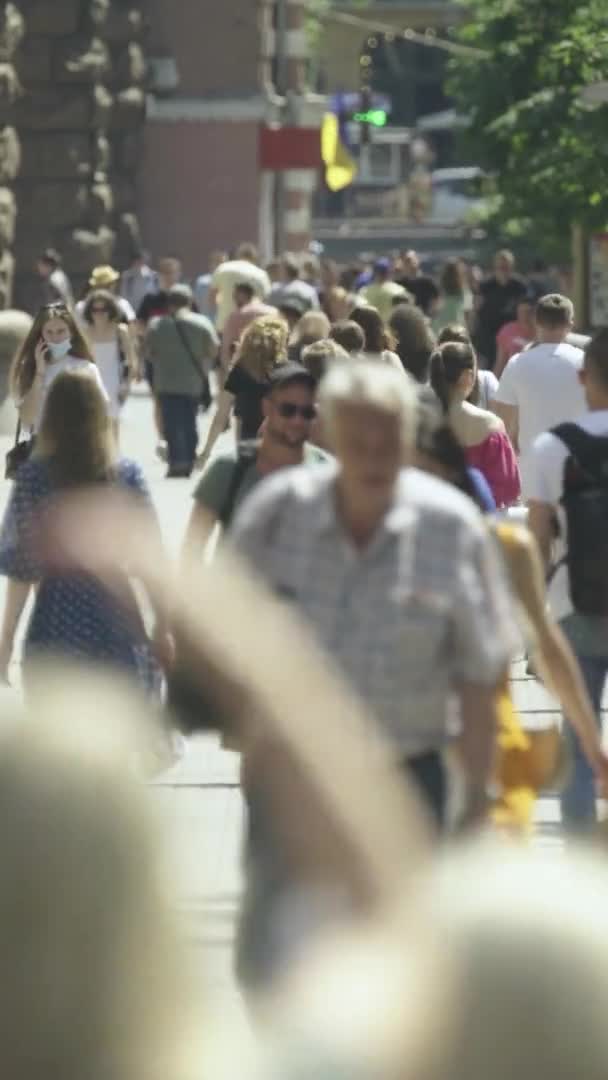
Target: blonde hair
[[378, 387], [313, 326], [262, 347], [76, 433], [23, 367]]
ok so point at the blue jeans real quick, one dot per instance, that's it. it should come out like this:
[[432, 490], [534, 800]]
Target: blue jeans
[[179, 428], [578, 797]]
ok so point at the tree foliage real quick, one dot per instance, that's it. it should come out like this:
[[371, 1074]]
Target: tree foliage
[[529, 125]]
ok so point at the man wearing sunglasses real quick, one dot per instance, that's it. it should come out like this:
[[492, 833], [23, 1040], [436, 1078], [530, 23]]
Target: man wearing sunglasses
[[289, 412]]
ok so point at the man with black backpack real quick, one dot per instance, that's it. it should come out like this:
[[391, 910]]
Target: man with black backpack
[[568, 502]]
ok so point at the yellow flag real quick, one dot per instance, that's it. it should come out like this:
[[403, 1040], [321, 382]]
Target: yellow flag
[[340, 166]]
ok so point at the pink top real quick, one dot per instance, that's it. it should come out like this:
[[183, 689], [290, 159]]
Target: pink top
[[512, 338], [495, 458]]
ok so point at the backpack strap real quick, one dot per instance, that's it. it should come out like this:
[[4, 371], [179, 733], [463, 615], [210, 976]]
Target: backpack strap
[[247, 455], [590, 452]]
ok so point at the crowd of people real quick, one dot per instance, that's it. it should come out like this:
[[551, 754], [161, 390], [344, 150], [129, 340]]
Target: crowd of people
[[413, 456]]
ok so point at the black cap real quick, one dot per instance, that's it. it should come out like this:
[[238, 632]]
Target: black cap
[[286, 374], [180, 294]]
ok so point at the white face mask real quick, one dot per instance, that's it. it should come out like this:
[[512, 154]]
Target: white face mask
[[59, 349]]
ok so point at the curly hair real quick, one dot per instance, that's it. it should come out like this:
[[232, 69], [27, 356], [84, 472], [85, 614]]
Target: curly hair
[[263, 345]]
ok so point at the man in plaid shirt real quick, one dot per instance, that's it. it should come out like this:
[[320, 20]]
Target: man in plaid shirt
[[399, 581], [396, 574]]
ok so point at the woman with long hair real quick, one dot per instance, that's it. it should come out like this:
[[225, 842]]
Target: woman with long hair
[[455, 302], [263, 346], [54, 344], [481, 433], [379, 342], [438, 451], [486, 383], [415, 340], [112, 348], [72, 615]]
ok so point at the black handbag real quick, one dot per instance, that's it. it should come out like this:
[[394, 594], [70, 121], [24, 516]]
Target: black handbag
[[192, 709], [20, 452]]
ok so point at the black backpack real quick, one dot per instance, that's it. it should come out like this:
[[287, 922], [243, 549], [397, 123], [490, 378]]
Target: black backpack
[[585, 503]]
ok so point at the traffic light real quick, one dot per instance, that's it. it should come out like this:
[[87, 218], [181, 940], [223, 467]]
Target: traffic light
[[373, 117], [365, 107]]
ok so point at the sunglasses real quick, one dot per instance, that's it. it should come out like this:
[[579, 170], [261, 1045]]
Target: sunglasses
[[288, 411], [100, 311]]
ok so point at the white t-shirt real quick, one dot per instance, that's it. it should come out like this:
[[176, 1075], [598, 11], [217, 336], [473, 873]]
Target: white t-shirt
[[546, 484], [488, 385], [67, 363], [126, 309], [543, 383], [237, 272]]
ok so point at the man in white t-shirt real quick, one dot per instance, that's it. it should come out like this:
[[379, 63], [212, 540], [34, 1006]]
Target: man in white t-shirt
[[540, 387], [588, 634], [243, 270]]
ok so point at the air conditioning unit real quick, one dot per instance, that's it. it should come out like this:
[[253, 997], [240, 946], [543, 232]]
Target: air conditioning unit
[[163, 75]]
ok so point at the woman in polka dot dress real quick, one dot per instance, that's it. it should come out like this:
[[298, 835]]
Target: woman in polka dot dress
[[73, 615]]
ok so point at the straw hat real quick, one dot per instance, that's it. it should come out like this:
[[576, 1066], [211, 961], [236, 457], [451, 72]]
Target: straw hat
[[103, 277]]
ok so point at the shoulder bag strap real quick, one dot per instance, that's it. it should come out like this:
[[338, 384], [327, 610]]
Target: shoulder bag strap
[[247, 455], [184, 340], [586, 449]]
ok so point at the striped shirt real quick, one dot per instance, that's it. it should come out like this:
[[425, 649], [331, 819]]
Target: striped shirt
[[422, 609]]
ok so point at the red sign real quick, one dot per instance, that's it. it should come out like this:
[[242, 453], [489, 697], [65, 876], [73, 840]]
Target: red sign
[[282, 148]]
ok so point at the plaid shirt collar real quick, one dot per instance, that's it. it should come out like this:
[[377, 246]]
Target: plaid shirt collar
[[326, 519]]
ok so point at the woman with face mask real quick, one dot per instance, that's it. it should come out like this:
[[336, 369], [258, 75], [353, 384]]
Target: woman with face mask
[[54, 344]]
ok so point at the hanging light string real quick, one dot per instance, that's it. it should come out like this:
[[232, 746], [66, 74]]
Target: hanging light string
[[429, 39]]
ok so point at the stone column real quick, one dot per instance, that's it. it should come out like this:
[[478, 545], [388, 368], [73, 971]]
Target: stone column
[[12, 28], [126, 28], [81, 66]]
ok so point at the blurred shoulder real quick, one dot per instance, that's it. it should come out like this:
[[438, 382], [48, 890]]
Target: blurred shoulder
[[299, 488]]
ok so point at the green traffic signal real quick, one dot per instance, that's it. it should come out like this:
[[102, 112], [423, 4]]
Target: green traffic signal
[[375, 117]]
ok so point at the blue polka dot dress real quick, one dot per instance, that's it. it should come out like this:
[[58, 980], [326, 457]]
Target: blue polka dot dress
[[73, 615]]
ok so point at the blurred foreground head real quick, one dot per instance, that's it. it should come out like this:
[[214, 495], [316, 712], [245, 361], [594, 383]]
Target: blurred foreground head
[[526, 936], [497, 968], [89, 951]]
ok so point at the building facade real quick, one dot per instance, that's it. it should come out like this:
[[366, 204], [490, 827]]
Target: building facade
[[222, 75]]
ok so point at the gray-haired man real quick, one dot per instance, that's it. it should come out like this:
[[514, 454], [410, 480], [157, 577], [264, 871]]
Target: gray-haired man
[[396, 574], [399, 581]]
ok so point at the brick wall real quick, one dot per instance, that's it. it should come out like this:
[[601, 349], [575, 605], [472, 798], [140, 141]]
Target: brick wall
[[216, 44], [201, 188]]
